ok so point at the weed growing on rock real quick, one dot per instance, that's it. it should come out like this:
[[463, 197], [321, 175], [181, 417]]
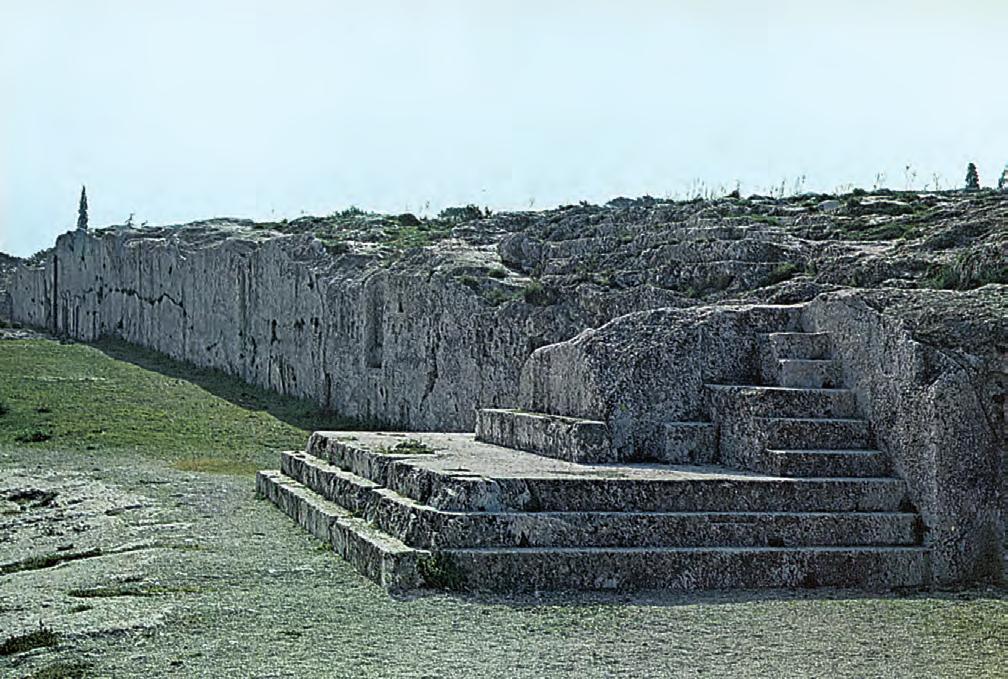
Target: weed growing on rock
[[534, 293], [439, 571], [413, 447], [19, 643], [782, 272], [62, 670]]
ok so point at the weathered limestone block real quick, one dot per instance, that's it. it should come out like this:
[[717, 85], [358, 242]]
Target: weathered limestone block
[[937, 411], [644, 369]]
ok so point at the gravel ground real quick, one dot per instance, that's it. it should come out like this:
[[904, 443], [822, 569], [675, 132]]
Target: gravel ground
[[144, 570]]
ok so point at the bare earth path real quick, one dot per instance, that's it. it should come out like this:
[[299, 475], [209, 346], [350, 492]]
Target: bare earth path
[[144, 568]]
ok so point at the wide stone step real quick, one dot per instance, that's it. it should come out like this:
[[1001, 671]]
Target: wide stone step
[[350, 491], [343, 450], [425, 527], [800, 344], [757, 401], [826, 463], [563, 438], [800, 433], [807, 373], [377, 556], [713, 493], [685, 569]]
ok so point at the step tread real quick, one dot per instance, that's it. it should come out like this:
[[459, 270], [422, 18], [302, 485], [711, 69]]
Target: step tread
[[779, 389], [839, 452], [856, 549], [844, 420], [544, 416]]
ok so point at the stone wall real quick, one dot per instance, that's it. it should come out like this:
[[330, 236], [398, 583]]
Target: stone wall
[[411, 348]]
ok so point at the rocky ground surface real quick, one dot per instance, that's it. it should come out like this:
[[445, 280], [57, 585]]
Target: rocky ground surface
[[143, 570]]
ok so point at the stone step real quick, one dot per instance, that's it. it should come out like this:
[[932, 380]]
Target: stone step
[[801, 433], [562, 438], [826, 463], [350, 491], [756, 401], [377, 556], [716, 493], [425, 527], [342, 450], [469, 475], [807, 373], [799, 344], [687, 443], [685, 569], [422, 526]]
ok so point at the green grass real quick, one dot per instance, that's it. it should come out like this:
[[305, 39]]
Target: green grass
[[62, 670], [19, 643], [128, 589], [782, 272], [113, 396]]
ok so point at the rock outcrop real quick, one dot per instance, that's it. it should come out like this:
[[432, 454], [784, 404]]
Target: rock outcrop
[[696, 332]]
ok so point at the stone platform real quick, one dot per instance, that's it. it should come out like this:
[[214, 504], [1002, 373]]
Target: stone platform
[[448, 511]]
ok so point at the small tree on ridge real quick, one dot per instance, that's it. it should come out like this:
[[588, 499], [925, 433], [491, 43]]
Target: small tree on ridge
[[972, 178], [82, 211]]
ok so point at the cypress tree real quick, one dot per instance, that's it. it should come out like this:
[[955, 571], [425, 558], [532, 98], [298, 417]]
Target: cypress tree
[[972, 178], [82, 211], [1003, 180]]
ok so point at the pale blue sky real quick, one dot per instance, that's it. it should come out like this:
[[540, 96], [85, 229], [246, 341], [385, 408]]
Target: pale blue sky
[[179, 110]]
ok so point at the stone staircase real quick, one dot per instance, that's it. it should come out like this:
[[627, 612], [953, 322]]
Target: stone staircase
[[800, 498]]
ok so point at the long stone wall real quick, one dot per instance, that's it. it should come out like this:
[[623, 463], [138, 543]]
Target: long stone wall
[[409, 348]]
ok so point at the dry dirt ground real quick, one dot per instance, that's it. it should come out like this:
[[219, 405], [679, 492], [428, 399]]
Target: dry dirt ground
[[119, 563]]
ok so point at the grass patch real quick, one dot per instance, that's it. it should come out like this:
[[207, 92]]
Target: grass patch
[[129, 589], [19, 643], [117, 397], [413, 447], [62, 670], [782, 272], [956, 276], [47, 561], [534, 292], [439, 571], [212, 465]]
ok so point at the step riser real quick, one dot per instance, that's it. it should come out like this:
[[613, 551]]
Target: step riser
[[800, 345], [803, 374], [394, 567], [420, 526], [814, 465], [816, 434], [689, 570], [350, 492], [768, 402], [580, 441], [562, 495], [428, 529]]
